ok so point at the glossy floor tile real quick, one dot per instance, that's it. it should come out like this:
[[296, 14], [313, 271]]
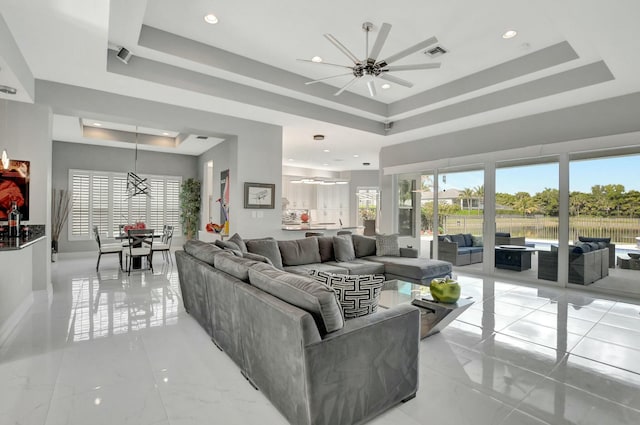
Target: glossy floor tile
[[108, 348]]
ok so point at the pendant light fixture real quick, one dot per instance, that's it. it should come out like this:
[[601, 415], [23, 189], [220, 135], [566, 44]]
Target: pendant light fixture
[[135, 184]]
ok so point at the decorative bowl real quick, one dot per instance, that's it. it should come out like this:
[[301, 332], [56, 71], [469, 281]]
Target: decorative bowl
[[445, 290]]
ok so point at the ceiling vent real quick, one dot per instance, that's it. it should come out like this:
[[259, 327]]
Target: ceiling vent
[[434, 52], [202, 137]]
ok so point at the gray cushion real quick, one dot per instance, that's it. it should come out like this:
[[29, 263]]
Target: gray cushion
[[357, 266], [256, 257], [364, 245], [304, 269], [358, 294], [468, 240], [470, 249], [299, 251], [503, 234], [202, 251], [343, 248], [387, 245], [235, 266], [226, 245], [588, 239], [267, 248], [319, 300], [414, 268], [325, 243], [459, 239], [236, 239]]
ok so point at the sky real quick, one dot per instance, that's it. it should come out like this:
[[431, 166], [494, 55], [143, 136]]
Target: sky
[[535, 178]]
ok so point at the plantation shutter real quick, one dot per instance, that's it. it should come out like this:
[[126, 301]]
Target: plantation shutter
[[156, 213], [172, 205], [100, 203], [80, 205], [120, 204]]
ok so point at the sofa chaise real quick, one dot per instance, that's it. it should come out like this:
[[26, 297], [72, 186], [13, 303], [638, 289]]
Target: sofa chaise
[[287, 335]]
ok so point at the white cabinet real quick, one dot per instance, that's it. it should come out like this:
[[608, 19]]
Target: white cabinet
[[333, 204]]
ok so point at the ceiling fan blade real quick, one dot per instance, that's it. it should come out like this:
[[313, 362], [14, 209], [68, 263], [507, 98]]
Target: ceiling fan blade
[[371, 85], [412, 67], [324, 63], [326, 78], [396, 80], [422, 45], [341, 47], [382, 37], [346, 86]]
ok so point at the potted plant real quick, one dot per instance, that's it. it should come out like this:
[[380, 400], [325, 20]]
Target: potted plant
[[368, 215], [60, 201], [190, 206]]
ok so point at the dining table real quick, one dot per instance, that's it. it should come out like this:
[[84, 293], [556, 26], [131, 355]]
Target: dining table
[[137, 261]]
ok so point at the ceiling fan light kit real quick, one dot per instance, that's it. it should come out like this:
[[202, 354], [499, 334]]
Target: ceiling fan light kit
[[371, 67]]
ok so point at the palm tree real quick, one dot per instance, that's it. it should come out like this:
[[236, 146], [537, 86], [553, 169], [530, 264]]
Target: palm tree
[[479, 194], [467, 194], [525, 204]]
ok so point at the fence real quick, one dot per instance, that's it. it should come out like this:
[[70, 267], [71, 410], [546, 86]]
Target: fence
[[620, 230]]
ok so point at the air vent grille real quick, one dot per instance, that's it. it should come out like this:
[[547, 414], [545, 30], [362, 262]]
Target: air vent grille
[[202, 137], [436, 51]]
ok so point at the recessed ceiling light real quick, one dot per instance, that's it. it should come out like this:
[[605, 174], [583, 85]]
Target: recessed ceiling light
[[210, 18], [316, 59], [386, 86], [326, 151], [326, 163], [291, 159], [97, 124], [165, 133], [318, 137], [355, 156], [509, 34]]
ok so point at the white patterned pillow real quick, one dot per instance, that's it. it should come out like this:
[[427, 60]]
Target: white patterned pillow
[[358, 294], [387, 245]]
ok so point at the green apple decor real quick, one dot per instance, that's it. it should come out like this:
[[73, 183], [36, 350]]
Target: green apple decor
[[445, 290]]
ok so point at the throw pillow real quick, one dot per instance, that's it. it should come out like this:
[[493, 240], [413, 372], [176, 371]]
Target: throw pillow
[[387, 245], [364, 245], [226, 245], [343, 248], [325, 243], [358, 294], [236, 239], [468, 239], [477, 241], [299, 251], [267, 248], [235, 266], [256, 257], [202, 251]]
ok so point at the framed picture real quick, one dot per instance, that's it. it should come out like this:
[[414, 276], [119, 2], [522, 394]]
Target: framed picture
[[14, 186], [259, 195]]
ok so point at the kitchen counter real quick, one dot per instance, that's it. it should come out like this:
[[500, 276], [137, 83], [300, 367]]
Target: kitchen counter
[[311, 227], [12, 244]]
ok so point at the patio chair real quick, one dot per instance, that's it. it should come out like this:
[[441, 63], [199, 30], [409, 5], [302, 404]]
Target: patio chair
[[110, 248], [140, 245], [165, 243]]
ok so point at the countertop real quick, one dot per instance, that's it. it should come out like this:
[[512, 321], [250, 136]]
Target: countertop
[[301, 227], [12, 244]]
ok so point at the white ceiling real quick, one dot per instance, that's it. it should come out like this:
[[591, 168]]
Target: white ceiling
[[66, 41]]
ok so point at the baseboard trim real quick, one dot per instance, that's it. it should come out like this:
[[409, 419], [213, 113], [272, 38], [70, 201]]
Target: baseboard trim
[[12, 321]]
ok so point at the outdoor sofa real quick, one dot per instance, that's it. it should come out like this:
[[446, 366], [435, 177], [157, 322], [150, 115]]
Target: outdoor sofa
[[588, 263]]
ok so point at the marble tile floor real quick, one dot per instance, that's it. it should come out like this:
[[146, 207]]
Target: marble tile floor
[[113, 349]]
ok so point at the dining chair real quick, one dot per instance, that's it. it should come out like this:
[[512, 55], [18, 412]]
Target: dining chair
[[165, 243], [125, 242], [140, 245], [108, 248]]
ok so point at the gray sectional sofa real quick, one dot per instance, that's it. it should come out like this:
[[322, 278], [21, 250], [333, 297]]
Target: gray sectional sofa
[[588, 262], [287, 335]]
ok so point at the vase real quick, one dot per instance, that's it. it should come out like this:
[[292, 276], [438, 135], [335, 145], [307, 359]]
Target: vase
[[445, 290]]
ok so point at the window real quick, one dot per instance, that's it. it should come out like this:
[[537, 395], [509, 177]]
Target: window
[[101, 199]]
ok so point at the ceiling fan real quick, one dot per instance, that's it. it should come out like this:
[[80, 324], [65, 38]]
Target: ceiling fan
[[371, 66]]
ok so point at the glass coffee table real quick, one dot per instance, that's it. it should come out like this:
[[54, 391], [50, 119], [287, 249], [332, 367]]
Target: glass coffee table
[[434, 316]]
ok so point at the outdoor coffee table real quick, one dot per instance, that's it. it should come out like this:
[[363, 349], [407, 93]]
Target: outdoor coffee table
[[513, 257], [434, 316]]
